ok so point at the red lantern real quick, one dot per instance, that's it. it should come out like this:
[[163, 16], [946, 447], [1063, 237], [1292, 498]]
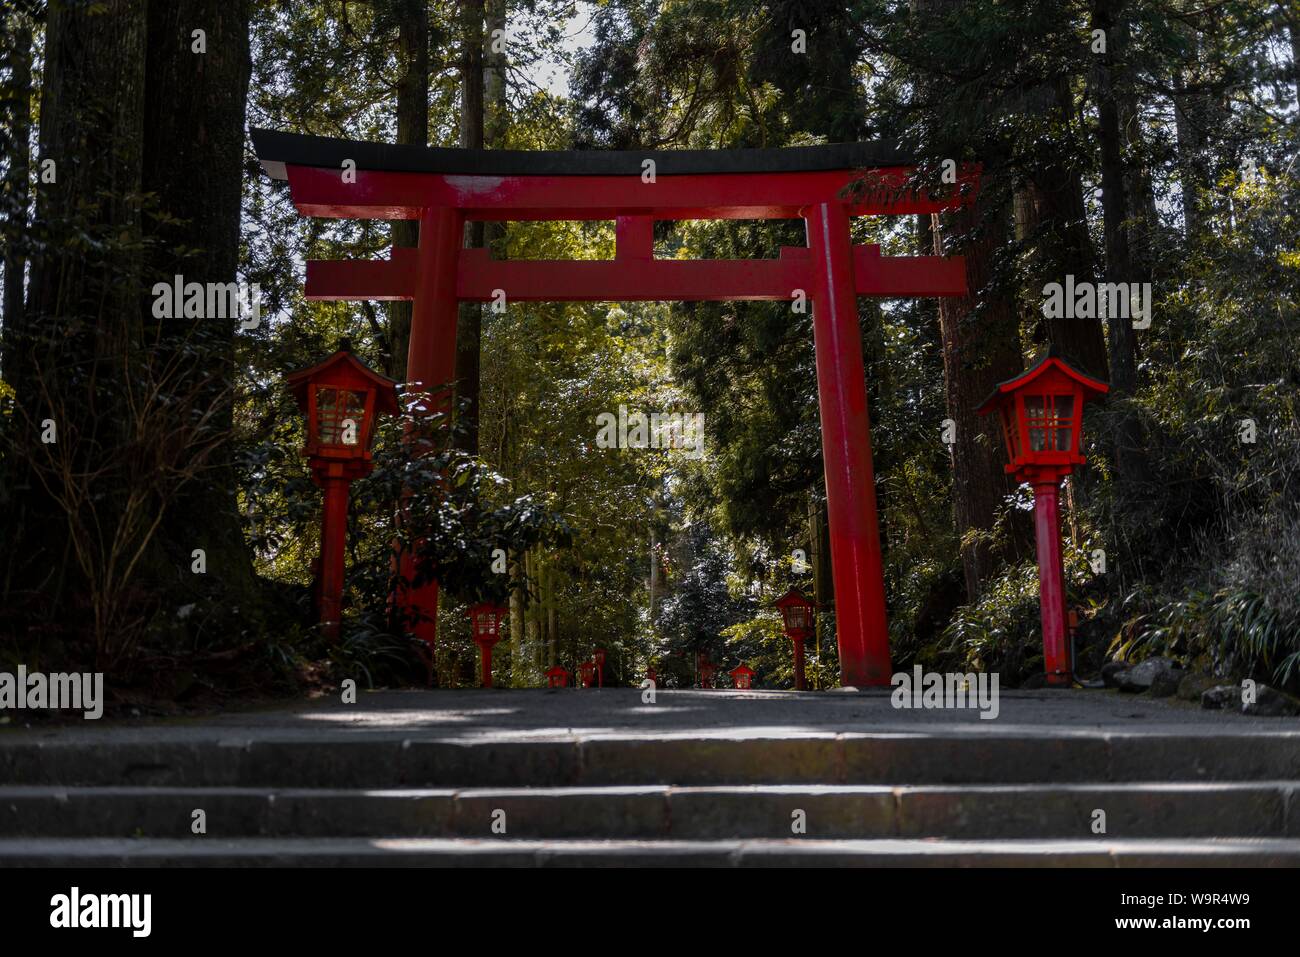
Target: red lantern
[[742, 676], [797, 618], [652, 676], [557, 677], [341, 398], [587, 673], [485, 629], [599, 657], [1042, 423]]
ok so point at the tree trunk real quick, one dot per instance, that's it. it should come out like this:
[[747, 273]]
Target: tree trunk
[[552, 620], [469, 328], [1293, 30], [1050, 218], [1191, 114], [17, 110], [413, 129], [193, 164], [654, 577], [518, 603], [1107, 16], [64, 360], [976, 356], [977, 353]]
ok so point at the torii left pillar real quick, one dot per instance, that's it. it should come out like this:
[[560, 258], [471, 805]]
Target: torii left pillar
[[431, 361]]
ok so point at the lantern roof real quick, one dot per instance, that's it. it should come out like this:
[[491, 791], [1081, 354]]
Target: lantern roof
[[742, 669], [557, 670], [347, 367], [486, 606], [793, 597], [1048, 361]]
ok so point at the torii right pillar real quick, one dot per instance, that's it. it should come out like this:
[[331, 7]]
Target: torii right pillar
[[861, 625]]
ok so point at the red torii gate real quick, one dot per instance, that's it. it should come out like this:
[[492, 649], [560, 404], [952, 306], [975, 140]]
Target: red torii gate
[[443, 188]]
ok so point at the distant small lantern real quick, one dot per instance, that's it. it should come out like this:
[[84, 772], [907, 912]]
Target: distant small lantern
[[485, 629], [598, 656], [1041, 411], [742, 676], [341, 398], [706, 668], [797, 618], [587, 673], [557, 677]]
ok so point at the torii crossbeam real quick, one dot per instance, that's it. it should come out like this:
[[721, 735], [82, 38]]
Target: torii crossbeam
[[822, 185]]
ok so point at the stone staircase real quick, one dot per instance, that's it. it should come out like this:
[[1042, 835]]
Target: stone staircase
[[358, 797]]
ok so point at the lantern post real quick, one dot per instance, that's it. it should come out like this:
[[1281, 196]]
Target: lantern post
[[797, 619], [1041, 411], [485, 624], [341, 398]]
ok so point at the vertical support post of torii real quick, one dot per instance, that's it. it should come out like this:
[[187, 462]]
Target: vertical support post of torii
[[1051, 583], [431, 357], [861, 626]]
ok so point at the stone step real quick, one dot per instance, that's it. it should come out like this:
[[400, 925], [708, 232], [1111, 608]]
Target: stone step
[[1132, 810], [415, 852], [340, 759]]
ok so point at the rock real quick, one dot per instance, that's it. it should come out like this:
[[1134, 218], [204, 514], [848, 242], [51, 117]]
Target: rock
[[1165, 684], [1140, 677], [1110, 669], [1220, 697], [1195, 684], [1271, 703]]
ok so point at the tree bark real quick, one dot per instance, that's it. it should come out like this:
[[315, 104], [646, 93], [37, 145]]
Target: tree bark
[[1050, 218], [64, 360], [1293, 30], [193, 164], [469, 328], [17, 110], [412, 128], [1129, 444], [977, 354], [1119, 265]]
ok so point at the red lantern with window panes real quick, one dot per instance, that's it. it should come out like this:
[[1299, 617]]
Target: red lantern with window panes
[[342, 398], [485, 629], [587, 673], [797, 619], [1041, 411], [557, 676], [742, 676]]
